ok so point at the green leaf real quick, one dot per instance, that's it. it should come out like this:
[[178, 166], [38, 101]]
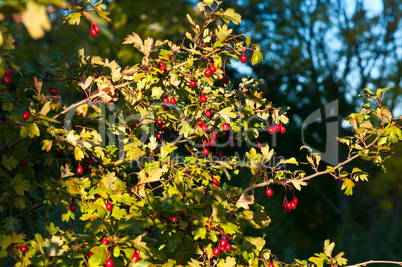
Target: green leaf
[[297, 183], [292, 160], [99, 256], [231, 16], [47, 145], [348, 185], [222, 32], [33, 130], [73, 18], [10, 163], [199, 232], [253, 244], [227, 113], [46, 108], [10, 223], [257, 219], [256, 57], [319, 262], [328, 247]]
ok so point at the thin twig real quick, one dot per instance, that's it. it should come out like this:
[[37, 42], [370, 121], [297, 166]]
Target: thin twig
[[373, 261]]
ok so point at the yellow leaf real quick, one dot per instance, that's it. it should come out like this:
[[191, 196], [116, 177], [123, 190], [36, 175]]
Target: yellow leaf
[[78, 154], [36, 20], [82, 110], [9, 42]]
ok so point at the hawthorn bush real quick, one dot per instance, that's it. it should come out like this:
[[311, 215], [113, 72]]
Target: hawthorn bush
[[138, 172]]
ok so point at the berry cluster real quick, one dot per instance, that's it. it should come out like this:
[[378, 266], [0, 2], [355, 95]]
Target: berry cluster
[[223, 245], [290, 205], [94, 29], [277, 128], [136, 255], [7, 76]]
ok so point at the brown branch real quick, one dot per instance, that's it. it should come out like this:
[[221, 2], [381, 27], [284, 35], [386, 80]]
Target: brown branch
[[10, 145], [29, 210], [82, 102]]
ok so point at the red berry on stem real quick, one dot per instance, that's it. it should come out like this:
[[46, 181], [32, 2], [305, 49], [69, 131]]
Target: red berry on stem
[[172, 101], [228, 247], [174, 219], [219, 154], [283, 130], [214, 136], [96, 74], [211, 142], [164, 127], [159, 121], [105, 241], [225, 79], [258, 144], [8, 73], [161, 66], [71, 207], [193, 84], [216, 251], [289, 206], [215, 181], [90, 254], [93, 32], [207, 73], [212, 68], [203, 98], [284, 207], [200, 123], [158, 136], [23, 163], [135, 258], [24, 249], [6, 79], [109, 206], [205, 151], [136, 251], [277, 128], [271, 130], [25, 115], [65, 162], [269, 192], [204, 127], [271, 265], [243, 59], [96, 28], [208, 113], [93, 23], [166, 100], [109, 263], [295, 200], [223, 242], [53, 91], [172, 137], [225, 127], [80, 170]]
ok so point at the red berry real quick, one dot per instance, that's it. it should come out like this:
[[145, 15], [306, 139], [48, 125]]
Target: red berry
[[158, 136], [193, 84], [203, 98], [228, 247], [161, 66], [159, 121], [204, 141], [172, 101], [136, 251], [105, 241], [205, 151], [24, 249], [293, 205], [109, 263], [284, 207], [86, 168], [295, 200], [6, 79], [209, 224], [225, 127], [214, 135], [89, 161], [212, 68], [208, 113], [93, 23], [172, 137], [96, 28], [96, 74], [25, 115], [289, 206], [58, 153], [223, 242], [204, 127], [277, 128], [215, 181], [135, 257], [271, 265], [174, 219], [216, 251], [90, 254], [93, 32], [219, 154], [225, 79], [53, 91], [211, 142], [163, 127], [269, 192], [200, 123], [271, 130], [258, 144], [65, 162], [283, 130], [166, 100], [23, 163], [71, 207], [80, 170], [8, 73], [207, 73], [109, 206], [243, 59]]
